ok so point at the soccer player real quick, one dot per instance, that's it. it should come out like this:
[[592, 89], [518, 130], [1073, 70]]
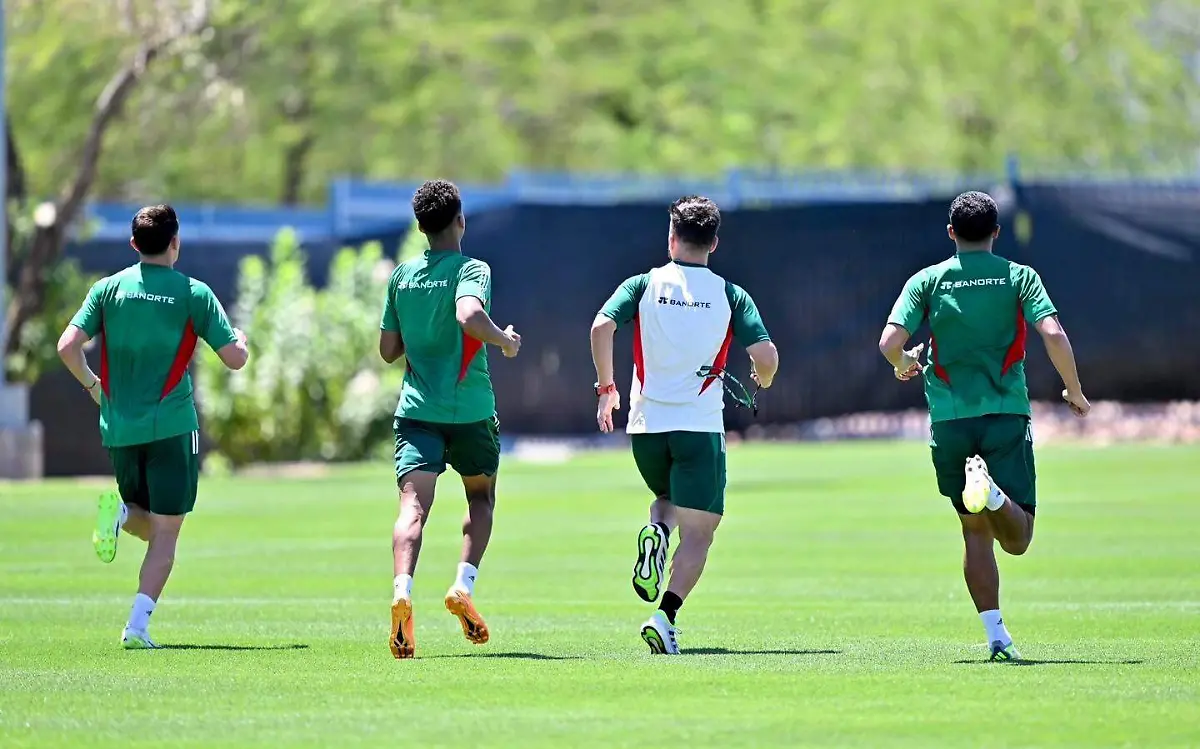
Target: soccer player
[[148, 318], [436, 315], [684, 319], [978, 305]]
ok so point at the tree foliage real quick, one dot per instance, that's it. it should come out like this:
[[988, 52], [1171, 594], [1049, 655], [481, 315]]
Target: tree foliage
[[154, 35], [280, 97]]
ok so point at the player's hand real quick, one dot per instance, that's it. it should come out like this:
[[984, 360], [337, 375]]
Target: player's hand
[[512, 343], [607, 403], [1078, 403], [241, 337], [910, 364], [762, 382]]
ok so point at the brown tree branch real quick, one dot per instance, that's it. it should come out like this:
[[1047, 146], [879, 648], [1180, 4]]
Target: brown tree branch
[[111, 103], [48, 241]]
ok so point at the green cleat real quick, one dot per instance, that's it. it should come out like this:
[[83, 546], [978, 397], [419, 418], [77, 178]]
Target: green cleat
[[108, 525], [651, 562], [1002, 653], [131, 640]]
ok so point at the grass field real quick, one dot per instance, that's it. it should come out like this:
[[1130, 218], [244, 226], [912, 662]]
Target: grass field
[[833, 614]]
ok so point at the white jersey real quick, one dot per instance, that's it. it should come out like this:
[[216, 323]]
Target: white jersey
[[685, 317]]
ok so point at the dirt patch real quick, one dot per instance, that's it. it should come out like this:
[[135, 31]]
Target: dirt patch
[[306, 470]]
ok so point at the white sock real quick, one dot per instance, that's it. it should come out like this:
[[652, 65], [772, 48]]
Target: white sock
[[996, 497], [123, 517], [994, 624], [139, 618], [402, 587], [466, 578]]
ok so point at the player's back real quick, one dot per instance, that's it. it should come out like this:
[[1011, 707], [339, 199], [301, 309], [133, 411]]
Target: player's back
[[977, 304], [147, 340], [446, 379], [683, 324]]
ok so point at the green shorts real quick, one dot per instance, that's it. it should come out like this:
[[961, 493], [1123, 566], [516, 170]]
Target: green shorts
[[470, 449], [686, 467], [159, 476], [1004, 441]]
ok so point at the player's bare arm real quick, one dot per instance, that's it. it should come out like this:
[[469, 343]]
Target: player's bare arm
[[764, 360], [477, 323], [603, 330], [70, 350], [905, 364], [235, 355], [1062, 356], [391, 346]]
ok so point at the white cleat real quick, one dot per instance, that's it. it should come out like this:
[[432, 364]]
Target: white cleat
[[660, 635], [979, 487], [134, 640]]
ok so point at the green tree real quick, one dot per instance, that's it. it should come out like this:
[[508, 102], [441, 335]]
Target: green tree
[[109, 83], [283, 96]]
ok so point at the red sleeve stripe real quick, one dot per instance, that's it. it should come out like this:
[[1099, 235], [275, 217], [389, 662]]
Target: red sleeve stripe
[[471, 347], [639, 358], [1016, 351], [722, 359], [183, 357], [938, 370], [103, 358]]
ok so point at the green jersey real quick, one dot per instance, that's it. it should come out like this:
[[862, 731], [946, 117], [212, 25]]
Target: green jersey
[[446, 380], [148, 318], [978, 305]]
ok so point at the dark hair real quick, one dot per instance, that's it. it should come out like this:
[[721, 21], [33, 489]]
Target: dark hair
[[974, 216], [436, 204], [695, 220], [153, 229]]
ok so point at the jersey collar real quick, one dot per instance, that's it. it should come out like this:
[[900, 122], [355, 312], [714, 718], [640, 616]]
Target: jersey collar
[[686, 264]]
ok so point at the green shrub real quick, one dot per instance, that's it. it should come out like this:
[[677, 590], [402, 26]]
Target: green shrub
[[315, 387], [67, 285]]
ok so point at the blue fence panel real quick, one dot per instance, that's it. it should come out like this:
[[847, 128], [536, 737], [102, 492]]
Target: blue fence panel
[[1121, 261]]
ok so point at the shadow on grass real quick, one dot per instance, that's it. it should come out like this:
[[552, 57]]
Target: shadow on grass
[[233, 647], [1051, 662], [727, 651], [514, 656]]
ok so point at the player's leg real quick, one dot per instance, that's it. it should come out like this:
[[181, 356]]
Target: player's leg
[[137, 521], [698, 493], [419, 457], [952, 444], [1006, 451], [172, 472], [652, 454], [113, 510], [474, 451]]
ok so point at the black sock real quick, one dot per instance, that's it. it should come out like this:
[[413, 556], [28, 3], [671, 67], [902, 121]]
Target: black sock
[[665, 529], [671, 604]]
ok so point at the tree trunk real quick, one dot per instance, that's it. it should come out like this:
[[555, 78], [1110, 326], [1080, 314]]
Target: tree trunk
[[295, 165], [15, 188]]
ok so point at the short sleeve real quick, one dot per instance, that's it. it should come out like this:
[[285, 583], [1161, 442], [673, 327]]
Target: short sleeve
[[209, 318], [474, 279], [748, 328], [1035, 302], [909, 310], [90, 316], [622, 306], [391, 319]]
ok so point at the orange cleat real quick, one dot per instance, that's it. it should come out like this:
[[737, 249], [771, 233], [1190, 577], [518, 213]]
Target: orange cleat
[[458, 602], [403, 641]]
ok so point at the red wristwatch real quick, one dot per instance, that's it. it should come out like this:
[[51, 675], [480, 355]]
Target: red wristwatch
[[605, 389]]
